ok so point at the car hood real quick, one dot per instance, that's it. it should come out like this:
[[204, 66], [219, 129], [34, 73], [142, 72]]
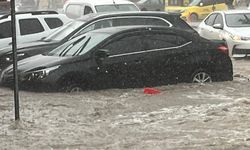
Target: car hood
[[25, 46], [240, 31], [33, 44], [38, 62]]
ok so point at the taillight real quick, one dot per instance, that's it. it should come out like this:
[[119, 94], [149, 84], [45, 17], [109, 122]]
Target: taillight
[[223, 49]]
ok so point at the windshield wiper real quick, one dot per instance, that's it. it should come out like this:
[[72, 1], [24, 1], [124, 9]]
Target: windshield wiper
[[248, 20], [65, 51], [82, 47]]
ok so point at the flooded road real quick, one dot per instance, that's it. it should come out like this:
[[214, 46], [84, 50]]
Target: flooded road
[[183, 116]]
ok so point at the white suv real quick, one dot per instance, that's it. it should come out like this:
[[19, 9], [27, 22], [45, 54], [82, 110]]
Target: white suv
[[30, 26], [78, 8]]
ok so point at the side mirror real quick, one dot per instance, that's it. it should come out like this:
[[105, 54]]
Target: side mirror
[[201, 4], [218, 26], [101, 53]]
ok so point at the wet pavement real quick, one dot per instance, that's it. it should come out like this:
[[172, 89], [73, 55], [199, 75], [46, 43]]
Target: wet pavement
[[183, 116]]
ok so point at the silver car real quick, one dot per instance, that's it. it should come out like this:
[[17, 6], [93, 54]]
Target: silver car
[[232, 26]]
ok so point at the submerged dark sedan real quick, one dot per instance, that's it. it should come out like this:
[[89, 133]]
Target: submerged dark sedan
[[88, 23], [125, 57]]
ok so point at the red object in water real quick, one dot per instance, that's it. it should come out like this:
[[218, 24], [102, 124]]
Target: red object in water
[[151, 91]]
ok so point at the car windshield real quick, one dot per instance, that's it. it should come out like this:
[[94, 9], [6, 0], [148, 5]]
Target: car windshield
[[65, 30], [238, 20], [117, 7], [194, 3], [79, 45]]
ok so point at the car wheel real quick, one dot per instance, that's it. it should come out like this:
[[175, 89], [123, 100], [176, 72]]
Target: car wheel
[[193, 17], [201, 76], [72, 88]]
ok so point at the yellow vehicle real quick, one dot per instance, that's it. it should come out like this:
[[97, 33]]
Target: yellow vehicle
[[198, 9]]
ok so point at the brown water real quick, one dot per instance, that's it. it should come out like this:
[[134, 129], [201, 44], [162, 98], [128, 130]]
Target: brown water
[[183, 116]]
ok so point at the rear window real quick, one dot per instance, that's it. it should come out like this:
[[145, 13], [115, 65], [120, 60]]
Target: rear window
[[73, 11], [179, 23], [118, 7], [30, 26], [53, 22]]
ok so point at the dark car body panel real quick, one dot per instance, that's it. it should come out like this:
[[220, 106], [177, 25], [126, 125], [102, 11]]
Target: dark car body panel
[[142, 67], [40, 47]]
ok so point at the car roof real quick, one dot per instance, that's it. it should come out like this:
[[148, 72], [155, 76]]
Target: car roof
[[233, 11], [131, 13], [31, 13], [119, 29], [102, 2]]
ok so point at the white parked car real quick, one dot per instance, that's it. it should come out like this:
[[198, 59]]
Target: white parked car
[[78, 8], [232, 26], [30, 26]]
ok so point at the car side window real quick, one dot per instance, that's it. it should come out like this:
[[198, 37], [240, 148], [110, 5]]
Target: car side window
[[139, 21], [97, 25], [160, 40], [53, 22], [87, 10], [155, 2], [5, 31], [208, 2], [218, 19], [26, 28], [123, 22], [210, 20], [220, 1], [121, 46]]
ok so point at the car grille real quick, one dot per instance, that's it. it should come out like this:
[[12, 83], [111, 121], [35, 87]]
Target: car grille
[[241, 51]]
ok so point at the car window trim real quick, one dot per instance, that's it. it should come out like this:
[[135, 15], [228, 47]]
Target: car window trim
[[121, 17], [149, 51]]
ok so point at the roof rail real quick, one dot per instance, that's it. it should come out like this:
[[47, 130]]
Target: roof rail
[[30, 12]]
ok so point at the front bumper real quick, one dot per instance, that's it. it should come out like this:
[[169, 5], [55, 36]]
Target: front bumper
[[34, 85], [243, 49]]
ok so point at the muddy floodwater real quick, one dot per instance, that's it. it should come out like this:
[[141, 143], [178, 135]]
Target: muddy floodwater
[[183, 116]]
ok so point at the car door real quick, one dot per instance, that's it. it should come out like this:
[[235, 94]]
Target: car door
[[216, 33], [206, 27], [124, 63], [166, 59], [220, 5]]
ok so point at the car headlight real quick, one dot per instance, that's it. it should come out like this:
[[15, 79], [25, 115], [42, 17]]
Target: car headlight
[[9, 58], [239, 38], [39, 74]]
